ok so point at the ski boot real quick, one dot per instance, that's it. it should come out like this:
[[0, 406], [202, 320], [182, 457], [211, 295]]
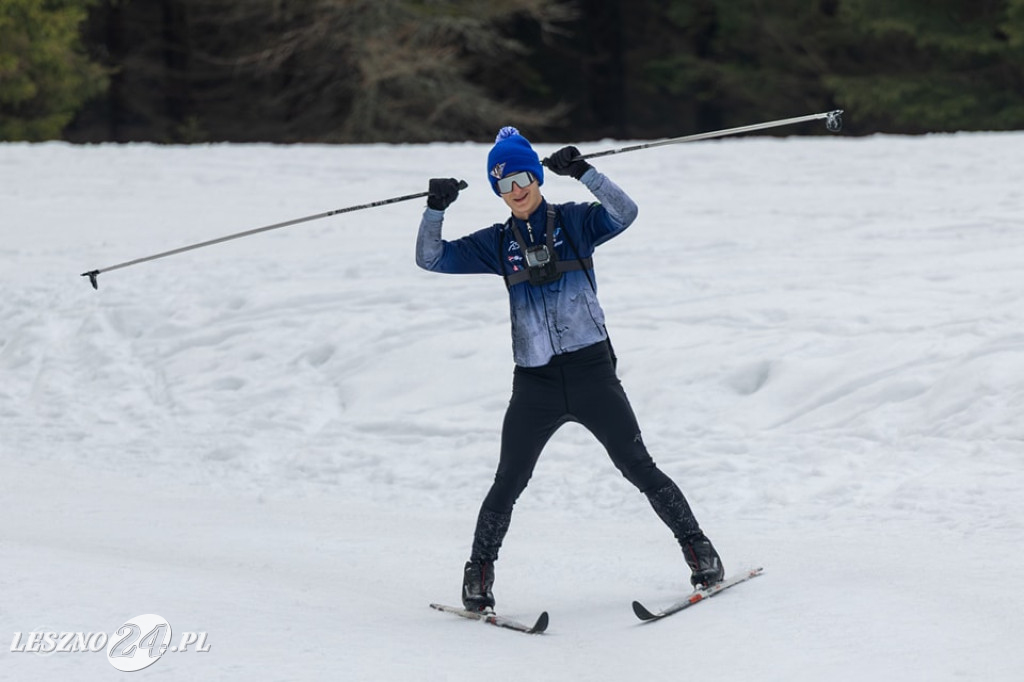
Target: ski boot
[[477, 580], [703, 560]]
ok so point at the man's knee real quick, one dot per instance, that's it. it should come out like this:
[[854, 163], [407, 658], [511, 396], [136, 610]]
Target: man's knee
[[645, 475], [505, 491]]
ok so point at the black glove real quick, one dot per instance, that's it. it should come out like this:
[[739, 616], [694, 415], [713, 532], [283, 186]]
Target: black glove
[[443, 191], [567, 161]]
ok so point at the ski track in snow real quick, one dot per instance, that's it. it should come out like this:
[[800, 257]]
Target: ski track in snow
[[284, 439]]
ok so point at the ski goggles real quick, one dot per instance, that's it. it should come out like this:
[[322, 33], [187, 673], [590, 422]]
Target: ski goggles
[[522, 178]]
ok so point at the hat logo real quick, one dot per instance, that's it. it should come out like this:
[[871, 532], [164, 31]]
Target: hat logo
[[498, 171]]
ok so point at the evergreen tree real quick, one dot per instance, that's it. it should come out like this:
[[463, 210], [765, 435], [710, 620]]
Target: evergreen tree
[[906, 66], [423, 70], [45, 76], [735, 62], [936, 65], [318, 70]]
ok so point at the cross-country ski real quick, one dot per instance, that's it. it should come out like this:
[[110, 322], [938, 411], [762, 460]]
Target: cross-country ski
[[494, 619], [697, 596]]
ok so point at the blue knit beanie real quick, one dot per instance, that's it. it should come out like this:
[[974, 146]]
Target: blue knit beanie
[[512, 153]]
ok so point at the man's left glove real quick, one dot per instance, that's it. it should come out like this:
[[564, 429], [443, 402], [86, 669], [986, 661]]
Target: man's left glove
[[568, 161], [443, 192]]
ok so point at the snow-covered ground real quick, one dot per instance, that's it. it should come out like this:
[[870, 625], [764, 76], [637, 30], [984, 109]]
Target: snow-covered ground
[[282, 441]]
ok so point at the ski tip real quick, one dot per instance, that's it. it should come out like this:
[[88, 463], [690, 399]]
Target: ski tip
[[641, 611], [541, 625]]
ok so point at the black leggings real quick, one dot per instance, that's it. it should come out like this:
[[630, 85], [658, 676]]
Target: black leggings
[[580, 387]]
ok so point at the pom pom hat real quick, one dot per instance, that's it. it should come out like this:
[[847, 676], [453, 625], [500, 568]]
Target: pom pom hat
[[512, 153]]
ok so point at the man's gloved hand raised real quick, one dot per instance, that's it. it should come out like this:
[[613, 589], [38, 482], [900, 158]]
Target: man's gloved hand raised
[[567, 161], [443, 192]]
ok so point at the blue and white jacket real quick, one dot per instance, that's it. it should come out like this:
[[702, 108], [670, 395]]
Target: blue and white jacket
[[549, 319]]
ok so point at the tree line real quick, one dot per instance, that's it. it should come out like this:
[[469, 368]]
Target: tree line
[[345, 71]]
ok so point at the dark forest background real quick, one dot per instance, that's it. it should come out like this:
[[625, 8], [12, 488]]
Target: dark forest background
[[184, 71]]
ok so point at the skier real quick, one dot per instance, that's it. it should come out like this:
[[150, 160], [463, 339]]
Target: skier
[[564, 362]]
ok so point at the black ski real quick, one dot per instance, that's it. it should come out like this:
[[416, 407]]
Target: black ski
[[697, 596], [494, 619]]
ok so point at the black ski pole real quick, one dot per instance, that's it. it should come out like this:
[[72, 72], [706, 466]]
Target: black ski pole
[[833, 121], [94, 274]]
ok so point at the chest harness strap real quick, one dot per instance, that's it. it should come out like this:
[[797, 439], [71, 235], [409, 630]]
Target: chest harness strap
[[542, 263]]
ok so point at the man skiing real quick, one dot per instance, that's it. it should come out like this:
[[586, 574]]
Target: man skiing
[[564, 362]]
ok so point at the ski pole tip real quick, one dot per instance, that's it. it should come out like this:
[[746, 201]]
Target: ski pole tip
[[92, 275], [834, 120]]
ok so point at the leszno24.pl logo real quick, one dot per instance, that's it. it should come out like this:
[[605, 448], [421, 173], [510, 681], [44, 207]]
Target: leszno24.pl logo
[[137, 644]]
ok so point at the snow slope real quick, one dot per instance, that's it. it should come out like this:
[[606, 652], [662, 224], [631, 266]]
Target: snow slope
[[282, 441]]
